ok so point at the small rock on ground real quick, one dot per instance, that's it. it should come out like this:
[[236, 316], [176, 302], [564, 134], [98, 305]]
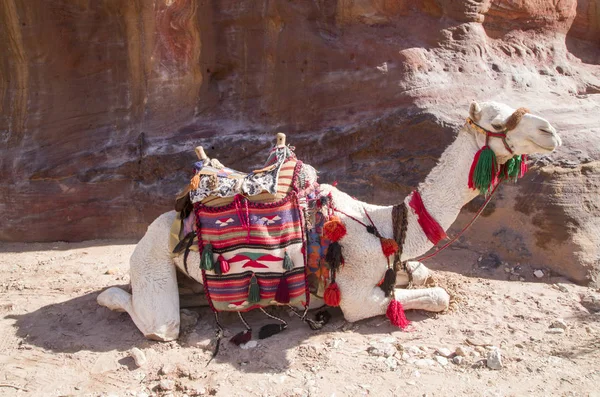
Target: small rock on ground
[[138, 356], [444, 352], [555, 331], [424, 362], [494, 359], [458, 360], [558, 323], [167, 384], [443, 361], [538, 273]]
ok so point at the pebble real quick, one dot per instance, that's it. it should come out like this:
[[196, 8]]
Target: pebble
[[462, 351], [538, 273], [373, 351], [392, 363], [443, 361], [413, 350], [167, 384], [142, 394], [458, 360], [112, 271], [249, 345], [555, 331], [494, 359], [167, 369], [424, 362], [188, 318], [558, 323], [138, 356], [444, 352]]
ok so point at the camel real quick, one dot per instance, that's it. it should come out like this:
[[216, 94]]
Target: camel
[[154, 302]]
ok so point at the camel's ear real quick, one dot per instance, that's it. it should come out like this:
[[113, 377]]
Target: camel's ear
[[475, 111]]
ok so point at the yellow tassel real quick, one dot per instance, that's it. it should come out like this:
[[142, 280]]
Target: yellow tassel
[[195, 182]]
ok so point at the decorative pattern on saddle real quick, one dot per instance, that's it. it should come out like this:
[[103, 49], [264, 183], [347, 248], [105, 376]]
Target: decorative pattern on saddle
[[215, 180]]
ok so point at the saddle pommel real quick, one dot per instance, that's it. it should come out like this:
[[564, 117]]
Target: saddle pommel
[[200, 152], [280, 139]]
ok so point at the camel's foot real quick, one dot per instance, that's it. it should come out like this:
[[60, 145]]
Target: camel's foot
[[430, 299], [121, 301], [165, 333], [420, 274], [115, 299]]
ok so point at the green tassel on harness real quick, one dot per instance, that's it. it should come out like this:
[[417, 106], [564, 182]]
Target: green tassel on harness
[[287, 262], [254, 290], [484, 170], [512, 169], [207, 262]]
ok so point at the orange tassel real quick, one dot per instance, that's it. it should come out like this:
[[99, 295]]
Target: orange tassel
[[334, 229], [332, 295], [388, 246], [195, 182]]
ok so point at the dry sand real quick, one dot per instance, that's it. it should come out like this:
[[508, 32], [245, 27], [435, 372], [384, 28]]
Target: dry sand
[[56, 341]]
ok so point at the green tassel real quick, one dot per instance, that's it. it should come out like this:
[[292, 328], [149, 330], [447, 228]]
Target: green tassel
[[254, 290], [484, 170], [513, 173], [207, 262], [287, 262]]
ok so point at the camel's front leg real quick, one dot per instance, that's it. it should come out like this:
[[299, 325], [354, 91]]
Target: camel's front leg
[[419, 272], [363, 302], [154, 306]]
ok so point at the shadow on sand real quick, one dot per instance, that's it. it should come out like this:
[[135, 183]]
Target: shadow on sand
[[80, 324]]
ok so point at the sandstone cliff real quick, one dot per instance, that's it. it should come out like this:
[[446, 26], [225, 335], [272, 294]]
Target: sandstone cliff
[[103, 101]]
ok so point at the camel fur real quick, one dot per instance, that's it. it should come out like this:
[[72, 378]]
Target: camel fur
[[154, 301]]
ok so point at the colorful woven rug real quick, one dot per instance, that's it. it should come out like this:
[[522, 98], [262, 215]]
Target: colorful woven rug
[[254, 239]]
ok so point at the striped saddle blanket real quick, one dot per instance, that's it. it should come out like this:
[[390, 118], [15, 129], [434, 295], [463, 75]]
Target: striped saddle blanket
[[253, 248], [259, 251]]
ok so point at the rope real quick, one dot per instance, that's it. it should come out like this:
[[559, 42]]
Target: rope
[[463, 230], [273, 317]]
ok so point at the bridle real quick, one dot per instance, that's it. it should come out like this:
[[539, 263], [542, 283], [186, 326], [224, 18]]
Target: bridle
[[500, 134]]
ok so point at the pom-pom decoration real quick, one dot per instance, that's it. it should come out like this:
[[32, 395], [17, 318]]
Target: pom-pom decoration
[[395, 312], [334, 230], [332, 295]]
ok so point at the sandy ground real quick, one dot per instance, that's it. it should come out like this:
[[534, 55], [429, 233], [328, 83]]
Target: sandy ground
[[56, 341]]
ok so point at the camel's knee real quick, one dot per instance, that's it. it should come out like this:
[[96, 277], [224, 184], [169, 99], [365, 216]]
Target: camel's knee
[[115, 299]]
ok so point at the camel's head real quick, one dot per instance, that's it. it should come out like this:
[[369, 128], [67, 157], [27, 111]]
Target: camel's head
[[525, 132]]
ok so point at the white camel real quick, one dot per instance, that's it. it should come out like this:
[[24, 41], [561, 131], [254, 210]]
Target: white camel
[[154, 302]]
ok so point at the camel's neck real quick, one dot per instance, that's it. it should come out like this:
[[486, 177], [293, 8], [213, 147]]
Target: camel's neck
[[445, 191]]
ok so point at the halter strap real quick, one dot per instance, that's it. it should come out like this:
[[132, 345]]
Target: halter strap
[[488, 134]]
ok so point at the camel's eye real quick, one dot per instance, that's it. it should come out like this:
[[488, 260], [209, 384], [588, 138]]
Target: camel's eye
[[498, 126]]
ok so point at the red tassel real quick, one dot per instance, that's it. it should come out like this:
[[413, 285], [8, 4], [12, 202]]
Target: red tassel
[[332, 295], [523, 165], [388, 246], [241, 337], [223, 264], [395, 313], [472, 170], [283, 293], [334, 229], [431, 228]]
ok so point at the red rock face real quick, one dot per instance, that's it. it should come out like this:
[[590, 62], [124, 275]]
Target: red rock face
[[102, 103]]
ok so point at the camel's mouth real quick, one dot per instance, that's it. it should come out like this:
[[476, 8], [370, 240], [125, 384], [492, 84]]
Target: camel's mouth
[[543, 147]]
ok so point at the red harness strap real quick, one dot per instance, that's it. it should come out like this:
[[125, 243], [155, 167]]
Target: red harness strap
[[431, 228]]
